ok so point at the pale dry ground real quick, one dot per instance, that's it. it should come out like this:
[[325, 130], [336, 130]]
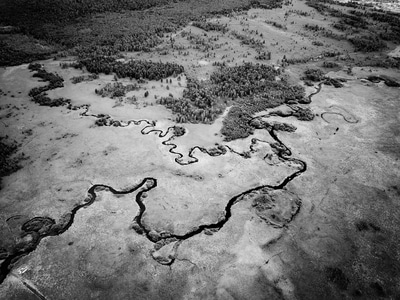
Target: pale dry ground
[[67, 154], [352, 175]]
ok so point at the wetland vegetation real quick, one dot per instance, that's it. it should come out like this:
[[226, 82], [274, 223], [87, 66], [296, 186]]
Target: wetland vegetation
[[176, 109]]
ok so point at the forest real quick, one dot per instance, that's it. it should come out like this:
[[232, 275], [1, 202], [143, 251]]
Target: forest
[[198, 104], [250, 88], [82, 27], [134, 69]]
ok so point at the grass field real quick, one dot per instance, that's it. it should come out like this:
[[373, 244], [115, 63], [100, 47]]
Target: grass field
[[198, 150]]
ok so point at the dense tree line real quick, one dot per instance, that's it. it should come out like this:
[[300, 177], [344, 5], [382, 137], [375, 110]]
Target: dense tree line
[[326, 32], [244, 80], [82, 78], [55, 81], [38, 94], [390, 23], [10, 56], [198, 104], [208, 26], [367, 43], [137, 69]]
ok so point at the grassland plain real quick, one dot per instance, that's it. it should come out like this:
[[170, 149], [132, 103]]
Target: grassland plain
[[110, 193]]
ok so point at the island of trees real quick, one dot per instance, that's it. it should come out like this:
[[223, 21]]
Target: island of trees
[[249, 88]]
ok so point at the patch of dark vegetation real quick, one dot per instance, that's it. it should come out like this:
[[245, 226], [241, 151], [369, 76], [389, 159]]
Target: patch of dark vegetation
[[263, 55], [82, 78], [388, 80], [137, 69], [75, 64], [39, 95], [44, 100], [208, 26], [364, 27], [317, 43], [303, 60], [322, 8], [330, 64], [336, 82], [277, 25], [106, 120], [314, 75], [116, 90], [236, 124], [278, 126], [303, 113], [217, 150], [251, 88], [325, 32], [258, 123], [336, 276], [16, 49], [267, 4], [61, 11], [179, 131], [379, 61], [198, 104], [9, 163], [55, 81], [137, 25], [353, 22], [366, 226], [35, 67], [248, 40], [243, 81], [367, 43], [297, 12], [390, 29]]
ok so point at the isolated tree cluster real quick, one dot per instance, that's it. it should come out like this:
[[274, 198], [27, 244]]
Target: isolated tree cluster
[[137, 69], [250, 88]]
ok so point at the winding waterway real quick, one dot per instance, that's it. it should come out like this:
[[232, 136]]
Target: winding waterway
[[40, 227]]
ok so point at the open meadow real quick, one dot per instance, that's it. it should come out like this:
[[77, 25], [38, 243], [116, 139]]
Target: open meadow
[[199, 150]]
